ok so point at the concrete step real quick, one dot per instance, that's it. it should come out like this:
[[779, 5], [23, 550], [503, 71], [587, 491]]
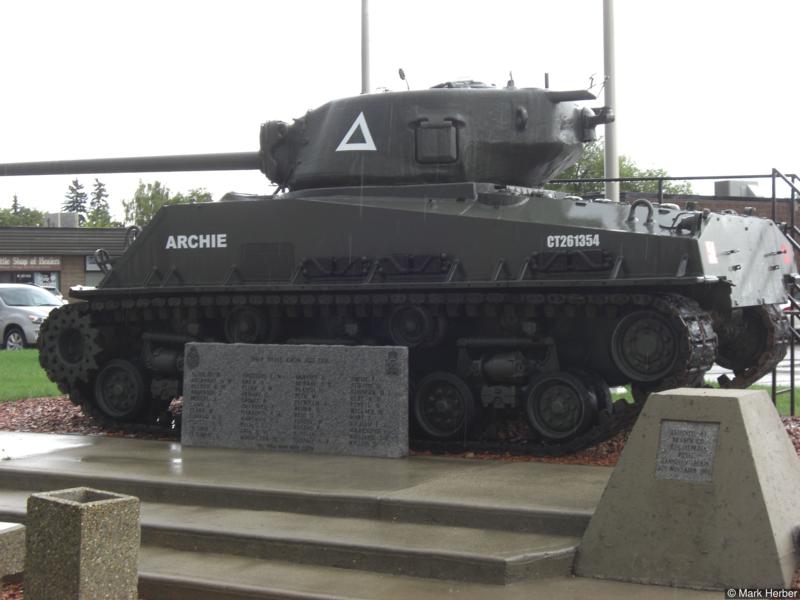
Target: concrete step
[[458, 510], [420, 550], [166, 574], [224, 524]]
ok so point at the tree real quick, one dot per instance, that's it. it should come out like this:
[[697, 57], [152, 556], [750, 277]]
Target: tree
[[19, 216], [150, 198], [590, 166], [194, 196], [76, 201], [99, 213]]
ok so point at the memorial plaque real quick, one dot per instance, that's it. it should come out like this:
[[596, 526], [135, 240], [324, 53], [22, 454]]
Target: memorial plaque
[[686, 451], [330, 399]]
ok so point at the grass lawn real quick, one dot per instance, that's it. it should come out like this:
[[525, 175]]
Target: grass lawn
[[784, 402], [22, 377]]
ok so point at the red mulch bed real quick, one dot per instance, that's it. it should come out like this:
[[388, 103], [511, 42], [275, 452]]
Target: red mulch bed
[[59, 415]]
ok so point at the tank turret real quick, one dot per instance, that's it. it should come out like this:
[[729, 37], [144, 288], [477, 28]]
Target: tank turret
[[454, 133]]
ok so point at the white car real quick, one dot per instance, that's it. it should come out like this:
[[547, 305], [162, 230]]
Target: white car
[[23, 309]]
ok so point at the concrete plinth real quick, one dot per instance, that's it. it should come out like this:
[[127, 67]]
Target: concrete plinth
[[82, 544], [12, 548], [706, 495]]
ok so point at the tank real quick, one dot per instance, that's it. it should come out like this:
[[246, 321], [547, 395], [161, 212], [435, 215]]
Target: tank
[[419, 219]]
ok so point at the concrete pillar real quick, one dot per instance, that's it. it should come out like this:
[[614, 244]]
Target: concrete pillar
[[705, 495], [82, 544]]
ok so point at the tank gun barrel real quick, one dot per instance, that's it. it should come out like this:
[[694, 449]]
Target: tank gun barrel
[[231, 161]]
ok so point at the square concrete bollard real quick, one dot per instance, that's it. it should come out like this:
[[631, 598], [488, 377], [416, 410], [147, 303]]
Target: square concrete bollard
[[82, 544], [12, 548]]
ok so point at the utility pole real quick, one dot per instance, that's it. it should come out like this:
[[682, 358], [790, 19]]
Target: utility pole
[[611, 164], [365, 46]]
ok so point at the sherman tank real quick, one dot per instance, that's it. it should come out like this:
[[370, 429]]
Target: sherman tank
[[419, 219]]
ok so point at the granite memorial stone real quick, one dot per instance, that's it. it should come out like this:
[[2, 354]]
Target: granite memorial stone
[[82, 544], [349, 400], [706, 494]]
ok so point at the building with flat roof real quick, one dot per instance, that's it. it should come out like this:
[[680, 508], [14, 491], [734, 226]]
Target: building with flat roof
[[56, 256]]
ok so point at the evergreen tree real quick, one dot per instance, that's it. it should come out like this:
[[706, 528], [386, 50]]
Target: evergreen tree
[[99, 213], [15, 205], [75, 201]]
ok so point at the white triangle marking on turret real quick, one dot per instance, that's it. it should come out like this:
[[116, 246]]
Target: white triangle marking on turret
[[360, 123]]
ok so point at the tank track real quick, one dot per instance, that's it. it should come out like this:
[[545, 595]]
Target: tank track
[[778, 339], [695, 356]]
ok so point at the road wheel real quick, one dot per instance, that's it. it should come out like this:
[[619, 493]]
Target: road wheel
[[443, 406], [120, 390], [559, 407]]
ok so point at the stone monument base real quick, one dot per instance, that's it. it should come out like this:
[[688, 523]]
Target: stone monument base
[[350, 400], [706, 495]]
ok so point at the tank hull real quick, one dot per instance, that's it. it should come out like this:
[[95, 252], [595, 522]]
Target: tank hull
[[497, 241]]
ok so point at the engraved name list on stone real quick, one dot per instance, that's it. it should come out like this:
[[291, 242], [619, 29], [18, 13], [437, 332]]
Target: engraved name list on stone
[[205, 389], [686, 451], [329, 399]]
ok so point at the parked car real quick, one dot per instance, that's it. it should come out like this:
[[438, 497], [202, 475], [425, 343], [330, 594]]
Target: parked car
[[56, 292], [23, 308]]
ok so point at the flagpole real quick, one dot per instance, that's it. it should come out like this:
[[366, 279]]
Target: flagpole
[[365, 46]]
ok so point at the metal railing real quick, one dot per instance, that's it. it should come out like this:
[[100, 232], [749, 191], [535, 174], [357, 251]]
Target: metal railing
[[792, 234], [790, 229]]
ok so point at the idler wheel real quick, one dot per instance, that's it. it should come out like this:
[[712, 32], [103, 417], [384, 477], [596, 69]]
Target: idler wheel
[[120, 390], [644, 346], [443, 406], [559, 407], [411, 326], [245, 325], [68, 344]]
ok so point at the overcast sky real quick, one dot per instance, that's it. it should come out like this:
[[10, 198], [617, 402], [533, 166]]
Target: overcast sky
[[703, 87]]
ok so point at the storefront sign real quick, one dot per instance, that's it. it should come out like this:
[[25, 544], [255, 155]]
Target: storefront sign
[[30, 263]]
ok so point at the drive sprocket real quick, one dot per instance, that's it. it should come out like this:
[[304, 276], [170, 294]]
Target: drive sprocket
[[69, 346]]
